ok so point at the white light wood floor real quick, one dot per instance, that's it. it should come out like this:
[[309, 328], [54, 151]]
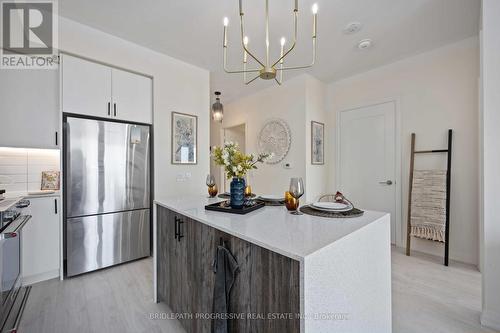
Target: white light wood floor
[[427, 297]]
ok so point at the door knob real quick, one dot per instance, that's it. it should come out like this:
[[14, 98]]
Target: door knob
[[387, 182]]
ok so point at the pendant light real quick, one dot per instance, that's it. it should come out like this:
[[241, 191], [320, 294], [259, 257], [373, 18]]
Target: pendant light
[[217, 108]]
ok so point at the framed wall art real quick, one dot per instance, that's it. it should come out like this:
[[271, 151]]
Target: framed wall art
[[184, 138], [317, 143], [50, 181]]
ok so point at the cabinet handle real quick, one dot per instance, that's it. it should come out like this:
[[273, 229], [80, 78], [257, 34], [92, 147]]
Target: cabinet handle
[[114, 109], [57, 141], [109, 108], [55, 206], [176, 227], [180, 235]]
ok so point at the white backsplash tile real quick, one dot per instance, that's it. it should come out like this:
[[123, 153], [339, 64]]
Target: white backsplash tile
[[21, 169]]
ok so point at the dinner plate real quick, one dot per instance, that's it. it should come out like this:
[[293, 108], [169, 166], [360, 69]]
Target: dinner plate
[[271, 197], [331, 206]]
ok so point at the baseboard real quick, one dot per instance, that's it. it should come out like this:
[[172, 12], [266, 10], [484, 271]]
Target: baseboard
[[32, 279], [490, 320]]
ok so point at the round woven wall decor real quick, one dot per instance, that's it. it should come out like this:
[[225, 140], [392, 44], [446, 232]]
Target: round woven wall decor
[[275, 138]]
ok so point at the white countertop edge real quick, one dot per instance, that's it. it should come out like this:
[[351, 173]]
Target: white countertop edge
[[26, 195], [257, 242], [35, 196]]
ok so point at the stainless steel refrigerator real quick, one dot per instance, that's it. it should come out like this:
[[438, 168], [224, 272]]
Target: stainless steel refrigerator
[[107, 193]]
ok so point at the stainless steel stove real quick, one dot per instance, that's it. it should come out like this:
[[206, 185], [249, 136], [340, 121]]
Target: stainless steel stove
[[13, 295]]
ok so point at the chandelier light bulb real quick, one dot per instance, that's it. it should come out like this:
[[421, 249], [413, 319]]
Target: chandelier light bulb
[[315, 9], [282, 41], [226, 21], [245, 40]]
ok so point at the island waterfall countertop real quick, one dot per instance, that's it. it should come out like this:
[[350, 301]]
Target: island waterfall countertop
[[334, 272], [274, 228]]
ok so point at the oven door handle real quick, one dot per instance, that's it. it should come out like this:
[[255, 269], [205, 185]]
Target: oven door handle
[[25, 220], [7, 235], [16, 225]]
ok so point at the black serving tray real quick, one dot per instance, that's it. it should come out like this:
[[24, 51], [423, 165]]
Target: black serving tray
[[224, 207]]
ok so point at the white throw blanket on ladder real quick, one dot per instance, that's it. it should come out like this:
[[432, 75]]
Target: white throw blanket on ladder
[[428, 204]]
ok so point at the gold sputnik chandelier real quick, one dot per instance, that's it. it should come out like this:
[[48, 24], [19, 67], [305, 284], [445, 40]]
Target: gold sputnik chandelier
[[269, 70]]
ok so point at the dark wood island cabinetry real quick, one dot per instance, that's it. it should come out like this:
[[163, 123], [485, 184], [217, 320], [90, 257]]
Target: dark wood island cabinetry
[[265, 296]]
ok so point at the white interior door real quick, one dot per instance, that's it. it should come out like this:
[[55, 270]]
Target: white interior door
[[367, 158]]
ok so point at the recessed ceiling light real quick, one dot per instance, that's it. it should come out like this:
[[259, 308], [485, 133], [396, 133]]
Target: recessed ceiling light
[[352, 28], [365, 44]]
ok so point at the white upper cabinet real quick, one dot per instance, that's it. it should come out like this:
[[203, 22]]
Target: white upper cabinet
[[96, 90], [86, 87], [29, 108], [132, 97]]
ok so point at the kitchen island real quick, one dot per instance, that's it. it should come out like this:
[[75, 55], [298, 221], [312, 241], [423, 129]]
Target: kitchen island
[[297, 273]]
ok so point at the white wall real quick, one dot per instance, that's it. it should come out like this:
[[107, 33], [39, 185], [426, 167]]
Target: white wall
[[490, 58], [316, 175], [297, 101], [178, 87], [435, 91]]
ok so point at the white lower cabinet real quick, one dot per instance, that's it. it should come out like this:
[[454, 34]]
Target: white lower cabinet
[[40, 241]]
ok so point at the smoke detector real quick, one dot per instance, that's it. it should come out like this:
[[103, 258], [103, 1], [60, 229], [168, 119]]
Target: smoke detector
[[352, 28], [365, 44]]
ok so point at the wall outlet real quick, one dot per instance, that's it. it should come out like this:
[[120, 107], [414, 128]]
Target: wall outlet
[[182, 177]]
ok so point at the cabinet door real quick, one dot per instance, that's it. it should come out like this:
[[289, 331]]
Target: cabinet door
[[201, 245], [132, 97], [40, 241], [29, 108], [267, 282], [86, 87], [171, 261]]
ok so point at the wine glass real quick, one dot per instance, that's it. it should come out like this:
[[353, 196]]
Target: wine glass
[[296, 190], [211, 184], [210, 180]]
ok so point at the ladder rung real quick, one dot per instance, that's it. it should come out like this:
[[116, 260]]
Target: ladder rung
[[431, 151]]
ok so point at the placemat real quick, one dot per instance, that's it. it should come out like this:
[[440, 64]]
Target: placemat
[[350, 213]]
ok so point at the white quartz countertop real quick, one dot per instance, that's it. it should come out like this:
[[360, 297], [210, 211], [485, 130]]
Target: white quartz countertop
[[274, 228]]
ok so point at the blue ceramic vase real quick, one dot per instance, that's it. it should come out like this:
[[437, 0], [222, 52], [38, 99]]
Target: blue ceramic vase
[[237, 193]]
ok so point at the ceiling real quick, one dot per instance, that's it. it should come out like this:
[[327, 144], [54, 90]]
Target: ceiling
[[191, 30]]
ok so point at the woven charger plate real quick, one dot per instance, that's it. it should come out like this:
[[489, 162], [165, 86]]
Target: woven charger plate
[[350, 213]]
